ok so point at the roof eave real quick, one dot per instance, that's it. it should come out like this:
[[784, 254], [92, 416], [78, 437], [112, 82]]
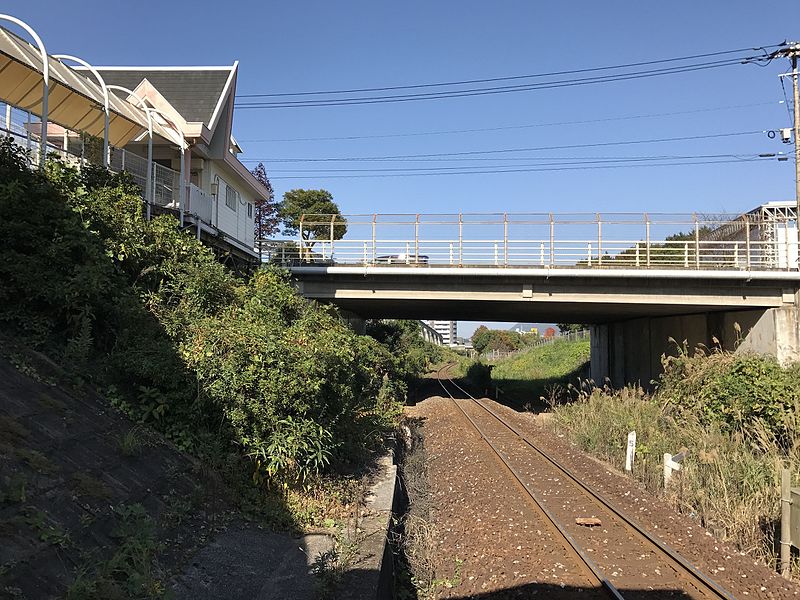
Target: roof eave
[[248, 178]]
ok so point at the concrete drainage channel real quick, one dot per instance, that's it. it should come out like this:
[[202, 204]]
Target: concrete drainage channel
[[380, 569], [370, 574]]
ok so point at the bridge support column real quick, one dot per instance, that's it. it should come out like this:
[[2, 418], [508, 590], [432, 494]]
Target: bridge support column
[[600, 350], [626, 352], [356, 323]]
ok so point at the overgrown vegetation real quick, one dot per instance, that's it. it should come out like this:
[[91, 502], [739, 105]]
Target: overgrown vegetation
[[737, 414], [541, 371], [414, 531], [144, 312], [412, 355], [129, 572]]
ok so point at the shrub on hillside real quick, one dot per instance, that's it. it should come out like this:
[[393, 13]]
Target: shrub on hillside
[[146, 312], [412, 354]]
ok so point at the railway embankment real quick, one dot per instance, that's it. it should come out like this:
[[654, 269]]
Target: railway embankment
[[736, 415]]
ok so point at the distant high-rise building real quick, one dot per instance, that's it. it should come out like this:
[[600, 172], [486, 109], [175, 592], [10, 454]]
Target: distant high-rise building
[[447, 329]]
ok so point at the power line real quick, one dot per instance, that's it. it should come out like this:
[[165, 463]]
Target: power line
[[568, 161], [506, 78], [509, 127], [525, 170], [492, 90], [506, 150]]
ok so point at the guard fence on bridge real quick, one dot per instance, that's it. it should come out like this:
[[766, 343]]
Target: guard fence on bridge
[[758, 240]]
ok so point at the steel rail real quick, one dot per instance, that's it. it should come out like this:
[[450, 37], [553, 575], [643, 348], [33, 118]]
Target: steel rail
[[673, 555], [594, 571]]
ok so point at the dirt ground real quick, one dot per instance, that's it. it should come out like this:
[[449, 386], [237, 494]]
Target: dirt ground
[[490, 542]]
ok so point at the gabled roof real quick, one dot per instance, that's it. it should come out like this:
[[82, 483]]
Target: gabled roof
[[197, 93]]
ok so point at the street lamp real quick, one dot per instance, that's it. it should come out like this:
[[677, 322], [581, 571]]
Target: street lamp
[[148, 196], [103, 87], [45, 83]]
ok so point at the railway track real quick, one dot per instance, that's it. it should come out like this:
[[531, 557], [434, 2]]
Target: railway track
[[634, 565]]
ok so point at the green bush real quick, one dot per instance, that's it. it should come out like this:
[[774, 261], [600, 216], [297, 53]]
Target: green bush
[[412, 355], [731, 389], [145, 312]]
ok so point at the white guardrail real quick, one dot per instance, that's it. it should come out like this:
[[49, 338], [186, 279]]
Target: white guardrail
[[753, 241]]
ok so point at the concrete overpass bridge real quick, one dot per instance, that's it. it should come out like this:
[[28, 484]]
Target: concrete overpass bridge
[[637, 279]]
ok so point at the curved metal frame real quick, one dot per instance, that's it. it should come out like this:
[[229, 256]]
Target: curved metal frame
[[104, 88], [45, 83], [148, 196]]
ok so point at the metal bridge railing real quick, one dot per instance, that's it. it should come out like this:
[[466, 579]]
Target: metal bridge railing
[[672, 241]]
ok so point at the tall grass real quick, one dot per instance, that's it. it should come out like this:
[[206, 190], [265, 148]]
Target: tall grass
[[731, 478], [528, 375]]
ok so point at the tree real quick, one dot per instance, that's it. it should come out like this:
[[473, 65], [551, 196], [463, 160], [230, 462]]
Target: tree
[[320, 211], [480, 339], [571, 327], [266, 209], [496, 339]]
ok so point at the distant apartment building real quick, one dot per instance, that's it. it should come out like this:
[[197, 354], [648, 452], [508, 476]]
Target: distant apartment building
[[447, 329]]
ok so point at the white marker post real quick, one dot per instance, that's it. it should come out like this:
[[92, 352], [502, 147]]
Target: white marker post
[[631, 451], [672, 463]]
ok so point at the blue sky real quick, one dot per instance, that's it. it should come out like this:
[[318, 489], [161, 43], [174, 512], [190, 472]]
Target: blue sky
[[304, 46]]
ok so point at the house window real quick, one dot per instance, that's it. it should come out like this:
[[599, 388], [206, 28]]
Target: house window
[[249, 210], [231, 197]]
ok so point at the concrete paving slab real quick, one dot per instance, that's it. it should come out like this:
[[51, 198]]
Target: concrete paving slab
[[248, 563]]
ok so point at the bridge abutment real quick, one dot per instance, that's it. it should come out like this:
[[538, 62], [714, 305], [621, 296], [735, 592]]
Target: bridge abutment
[[630, 351]]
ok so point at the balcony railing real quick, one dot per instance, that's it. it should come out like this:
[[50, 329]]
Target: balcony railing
[[201, 203]]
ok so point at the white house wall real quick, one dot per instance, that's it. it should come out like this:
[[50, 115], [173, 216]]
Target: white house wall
[[235, 223]]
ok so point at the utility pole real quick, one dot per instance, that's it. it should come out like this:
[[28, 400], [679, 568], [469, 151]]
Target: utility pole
[[792, 52], [795, 52]]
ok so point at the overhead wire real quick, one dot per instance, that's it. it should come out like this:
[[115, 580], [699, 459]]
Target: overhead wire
[[511, 77], [364, 100], [509, 127], [566, 161], [523, 170], [504, 150]]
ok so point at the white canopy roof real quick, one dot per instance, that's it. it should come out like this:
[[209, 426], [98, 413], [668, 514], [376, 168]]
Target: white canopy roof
[[75, 101]]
